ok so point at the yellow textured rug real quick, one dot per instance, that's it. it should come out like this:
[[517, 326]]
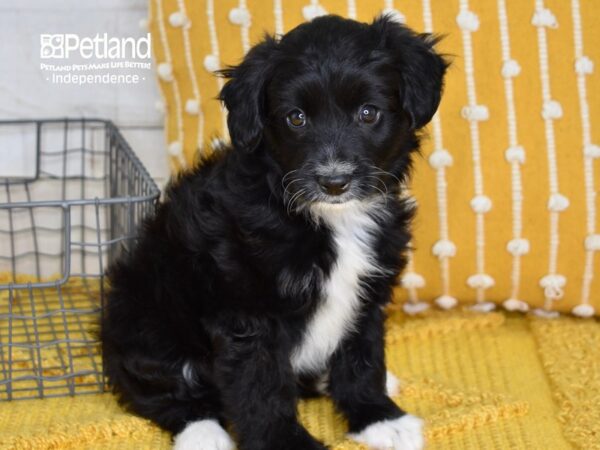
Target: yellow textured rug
[[481, 381]]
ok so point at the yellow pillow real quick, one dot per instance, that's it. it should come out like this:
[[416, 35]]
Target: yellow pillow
[[509, 175]]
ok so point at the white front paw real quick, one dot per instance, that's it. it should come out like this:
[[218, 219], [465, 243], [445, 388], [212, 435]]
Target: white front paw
[[203, 435], [404, 433]]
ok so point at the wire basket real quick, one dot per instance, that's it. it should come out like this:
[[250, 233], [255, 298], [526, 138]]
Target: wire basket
[[72, 207]]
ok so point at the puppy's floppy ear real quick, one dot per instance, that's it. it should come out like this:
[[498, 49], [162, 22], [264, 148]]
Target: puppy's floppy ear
[[421, 68], [244, 95]]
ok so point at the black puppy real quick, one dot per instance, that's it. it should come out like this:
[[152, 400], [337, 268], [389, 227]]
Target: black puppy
[[264, 273]]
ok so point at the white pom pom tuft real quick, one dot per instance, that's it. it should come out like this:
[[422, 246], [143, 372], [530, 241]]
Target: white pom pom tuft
[[475, 112], [240, 16], [543, 17], [178, 19], [518, 247], [175, 148], [444, 248], [481, 204], [446, 302], [165, 71], [311, 12], [511, 68], [211, 63], [392, 384], [545, 313], [592, 242], [480, 281], [584, 65], [412, 280], [553, 285], [553, 280], [218, 144], [558, 203], [552, 110], [592, 151], [483, 307], [415, 308], [513, 304], [192, 106], [395, 15], [584, 310], [515, 154], [467, 20], [440, 158]]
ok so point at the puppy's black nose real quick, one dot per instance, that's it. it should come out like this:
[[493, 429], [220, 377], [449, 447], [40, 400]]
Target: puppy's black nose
[[334, 185]]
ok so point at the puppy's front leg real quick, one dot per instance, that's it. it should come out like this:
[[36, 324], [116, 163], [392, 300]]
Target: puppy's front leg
[[258, 389], [357, 385]]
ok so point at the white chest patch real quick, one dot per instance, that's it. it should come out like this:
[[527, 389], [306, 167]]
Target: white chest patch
[[352, 225]]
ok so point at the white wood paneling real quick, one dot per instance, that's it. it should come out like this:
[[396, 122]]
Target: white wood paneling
[[25, 92]]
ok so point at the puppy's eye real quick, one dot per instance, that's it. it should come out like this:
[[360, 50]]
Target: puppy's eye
[[368, 114], [296, 119]]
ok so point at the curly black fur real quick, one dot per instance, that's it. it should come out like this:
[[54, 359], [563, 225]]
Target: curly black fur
[[204, 314]]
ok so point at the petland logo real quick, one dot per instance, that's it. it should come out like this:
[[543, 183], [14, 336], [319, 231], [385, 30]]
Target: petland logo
[[70, 59], [64, 46]]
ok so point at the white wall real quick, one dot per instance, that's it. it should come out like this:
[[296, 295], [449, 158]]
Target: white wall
[[25, 92]]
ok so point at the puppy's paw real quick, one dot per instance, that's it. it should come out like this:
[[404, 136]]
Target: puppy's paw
[[203, 435], [404, 433]]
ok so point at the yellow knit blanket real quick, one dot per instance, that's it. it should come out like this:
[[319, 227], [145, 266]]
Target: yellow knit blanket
[[481, 381]]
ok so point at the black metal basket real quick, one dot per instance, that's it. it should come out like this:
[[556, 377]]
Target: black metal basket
[[62, 221]]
